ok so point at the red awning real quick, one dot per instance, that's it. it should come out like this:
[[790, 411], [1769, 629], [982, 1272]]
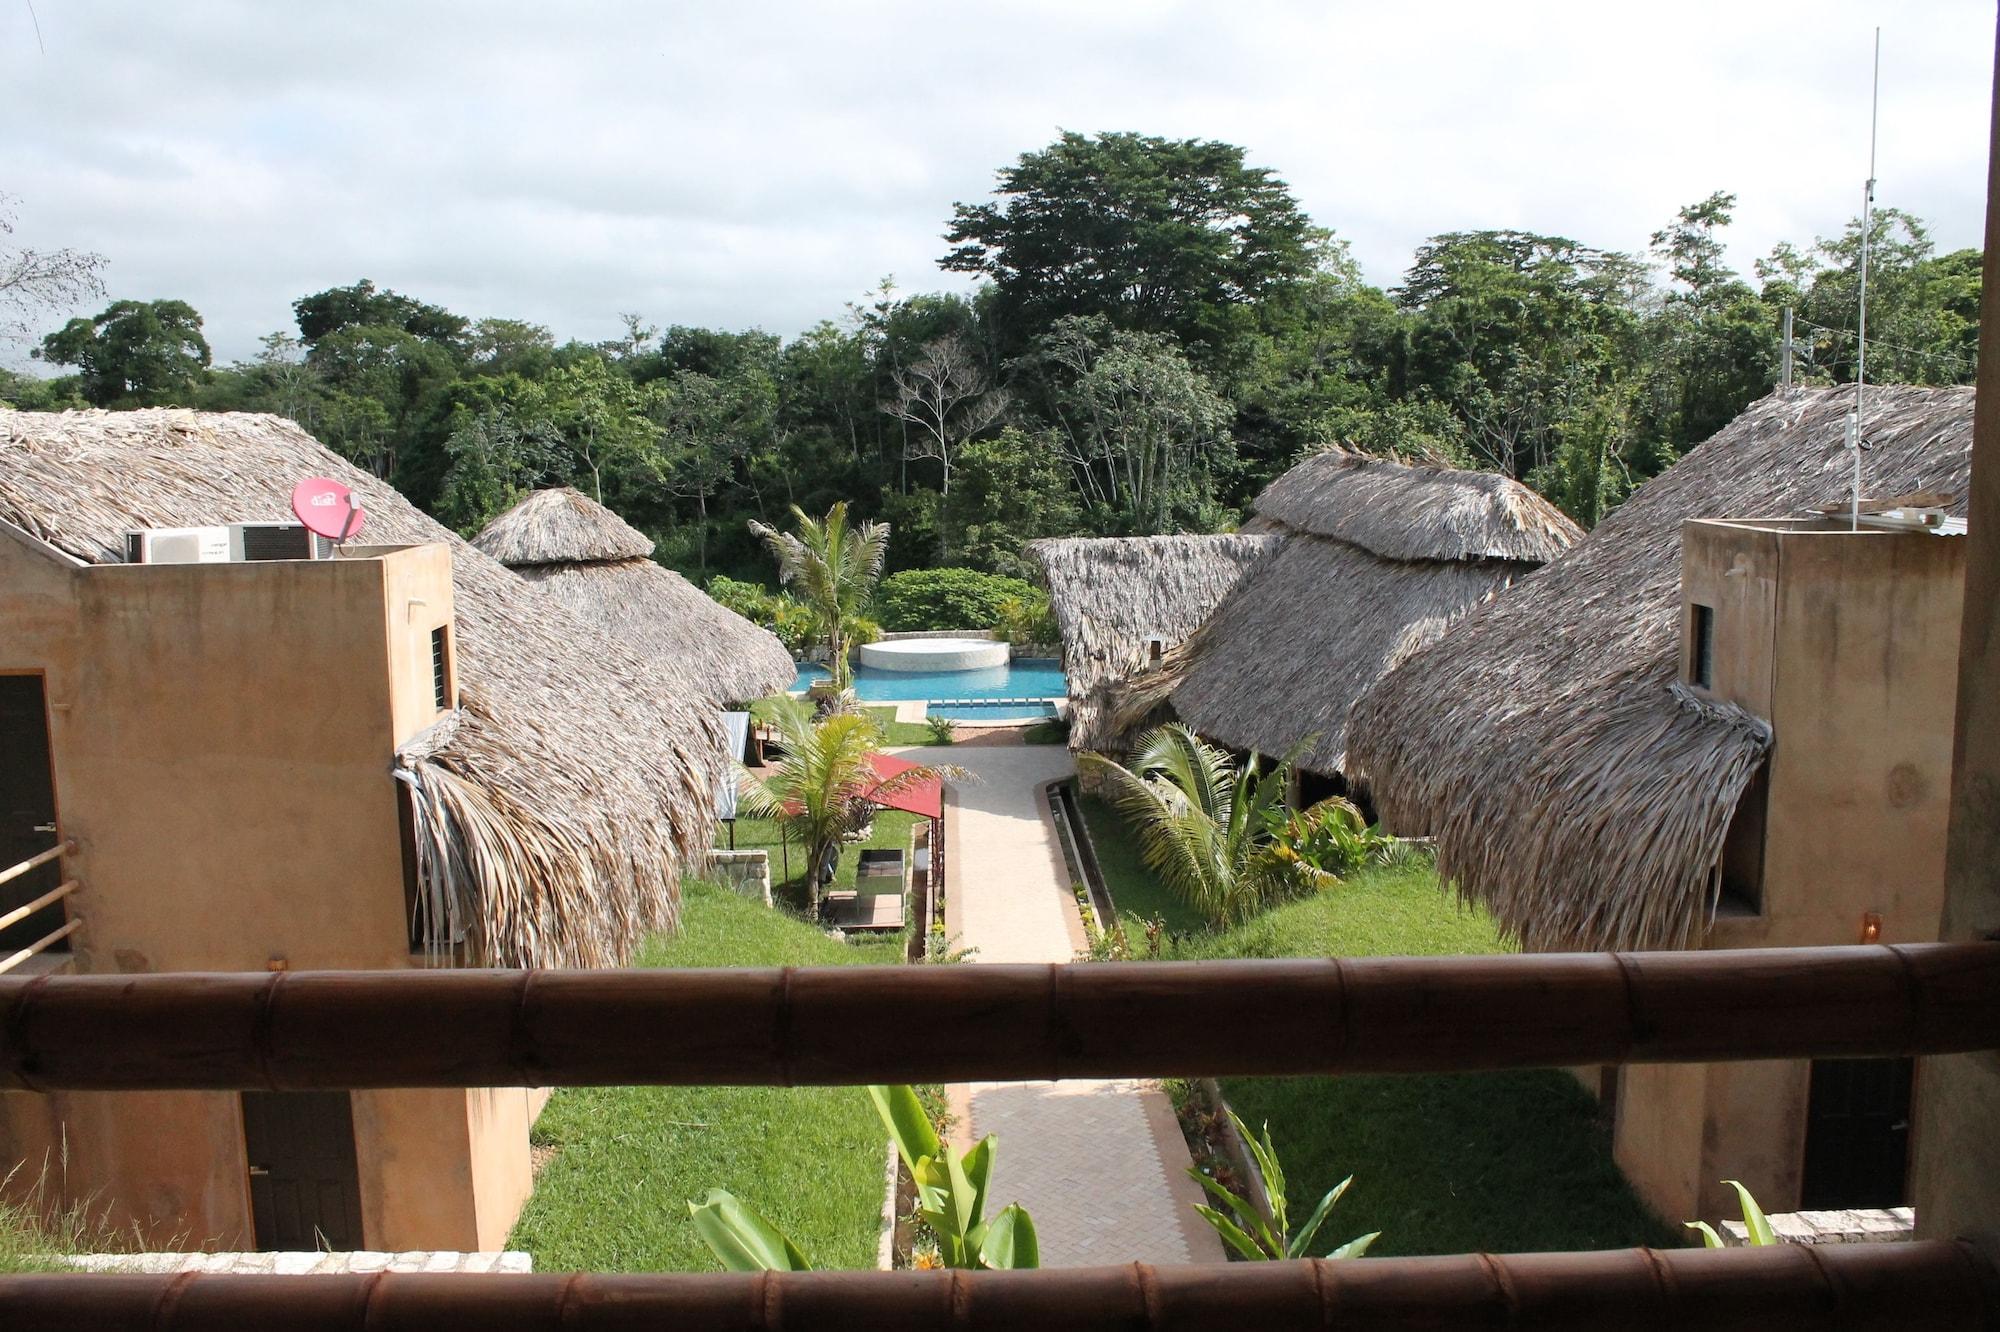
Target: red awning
[[925, 798]]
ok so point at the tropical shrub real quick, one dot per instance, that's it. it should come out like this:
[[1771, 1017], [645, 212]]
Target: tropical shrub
[[1331, 837], [942, 730], [918, 600], [1028, 619], [1248, 1231], [782, 615], [951, 1197], [1205, 826]]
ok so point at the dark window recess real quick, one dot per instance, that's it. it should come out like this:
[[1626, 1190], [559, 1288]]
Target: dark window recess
[[441, 666], [1743, 848], [1857, 1134], [1701, 663]]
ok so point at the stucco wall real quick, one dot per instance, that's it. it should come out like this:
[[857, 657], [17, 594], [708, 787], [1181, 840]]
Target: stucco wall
[[223, 738], [1847, 643]]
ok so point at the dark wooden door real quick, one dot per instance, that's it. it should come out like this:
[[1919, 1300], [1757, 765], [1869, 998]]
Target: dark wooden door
[[27, 808], [305, 1192], [1857, 1134]]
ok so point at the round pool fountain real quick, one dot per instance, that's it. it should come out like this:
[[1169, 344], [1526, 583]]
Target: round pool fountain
[[935, 654]]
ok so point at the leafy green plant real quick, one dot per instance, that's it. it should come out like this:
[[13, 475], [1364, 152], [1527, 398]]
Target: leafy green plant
[[1205, 826], [1028, 619], [1754, 1221], [1332, 837], [943, 730], [784, 616], [1247, 1229], [951, 1197]]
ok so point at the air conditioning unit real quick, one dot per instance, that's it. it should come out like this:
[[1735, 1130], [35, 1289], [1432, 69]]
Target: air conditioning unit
[[277, 541], [178, 545]]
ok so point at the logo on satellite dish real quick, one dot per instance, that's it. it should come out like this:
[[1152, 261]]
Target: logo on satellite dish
[[327, 507]]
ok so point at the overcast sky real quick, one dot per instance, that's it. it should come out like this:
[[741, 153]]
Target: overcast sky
[[763, 163]]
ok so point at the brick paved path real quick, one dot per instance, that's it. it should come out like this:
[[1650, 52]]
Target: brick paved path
[[1097, 1163]]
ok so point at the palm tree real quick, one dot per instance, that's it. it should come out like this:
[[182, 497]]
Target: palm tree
[[1205, 826], [833, 567], [824, 788]]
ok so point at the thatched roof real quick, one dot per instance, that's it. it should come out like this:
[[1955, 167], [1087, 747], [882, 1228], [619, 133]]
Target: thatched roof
[[601, 567], [555, 807], [1112, 596], [561, 526], [1400, 512], [1573, 785], [1376, 559]]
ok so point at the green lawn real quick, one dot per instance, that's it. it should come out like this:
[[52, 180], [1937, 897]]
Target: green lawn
[[1455, 1163], [1383, 910], [1135, 890], [630, 1158], [900, 733]]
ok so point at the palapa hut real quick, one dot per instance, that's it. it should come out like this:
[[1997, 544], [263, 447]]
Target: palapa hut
[[1720, 721], [1121, 603], [601, 567], [555, 804], [1374, 559], [1574, 784]]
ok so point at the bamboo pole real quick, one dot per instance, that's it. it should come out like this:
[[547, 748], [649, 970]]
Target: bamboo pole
[[37, 860], [47, 941], [27, 909], [473, 1028], [1935, 1285]]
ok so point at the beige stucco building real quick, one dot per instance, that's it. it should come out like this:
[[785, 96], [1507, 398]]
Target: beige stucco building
[[217, 741], [1846, 643]]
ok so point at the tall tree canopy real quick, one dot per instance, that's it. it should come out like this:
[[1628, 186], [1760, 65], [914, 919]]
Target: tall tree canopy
[[1155, 235], [133, 352]]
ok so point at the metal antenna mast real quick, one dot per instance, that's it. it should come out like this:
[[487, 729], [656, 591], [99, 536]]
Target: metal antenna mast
[[1861, 324]]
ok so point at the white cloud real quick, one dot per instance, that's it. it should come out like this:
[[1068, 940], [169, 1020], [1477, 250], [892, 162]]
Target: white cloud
[[762, 164]]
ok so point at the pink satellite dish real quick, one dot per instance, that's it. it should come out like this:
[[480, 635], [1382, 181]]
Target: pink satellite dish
[[327, 507]]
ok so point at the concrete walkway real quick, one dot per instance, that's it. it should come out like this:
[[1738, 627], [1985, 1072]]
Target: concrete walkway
[[1098, 1164]]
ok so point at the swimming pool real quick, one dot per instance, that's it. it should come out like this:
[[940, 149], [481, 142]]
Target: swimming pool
[[1025, 678]]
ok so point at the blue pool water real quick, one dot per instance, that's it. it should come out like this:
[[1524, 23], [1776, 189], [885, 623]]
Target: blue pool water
[[1029, 677]]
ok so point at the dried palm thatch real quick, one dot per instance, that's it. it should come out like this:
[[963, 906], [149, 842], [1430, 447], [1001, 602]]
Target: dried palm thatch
[[1573, 785], [601, 567], [1114, 597], [1377, 559], [1401, 512], [555, 807]]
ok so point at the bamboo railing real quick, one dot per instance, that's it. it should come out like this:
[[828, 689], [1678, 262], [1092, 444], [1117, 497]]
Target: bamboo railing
[[992, 1023], [1935, 1286], [472, 1028]]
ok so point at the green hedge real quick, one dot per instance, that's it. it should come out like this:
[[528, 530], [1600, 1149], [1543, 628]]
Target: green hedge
[[933, 599]]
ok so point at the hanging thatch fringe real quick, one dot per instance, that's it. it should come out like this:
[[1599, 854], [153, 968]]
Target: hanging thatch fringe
[[1113, 596], [601, 567], [1570, 785], [554, 814]]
